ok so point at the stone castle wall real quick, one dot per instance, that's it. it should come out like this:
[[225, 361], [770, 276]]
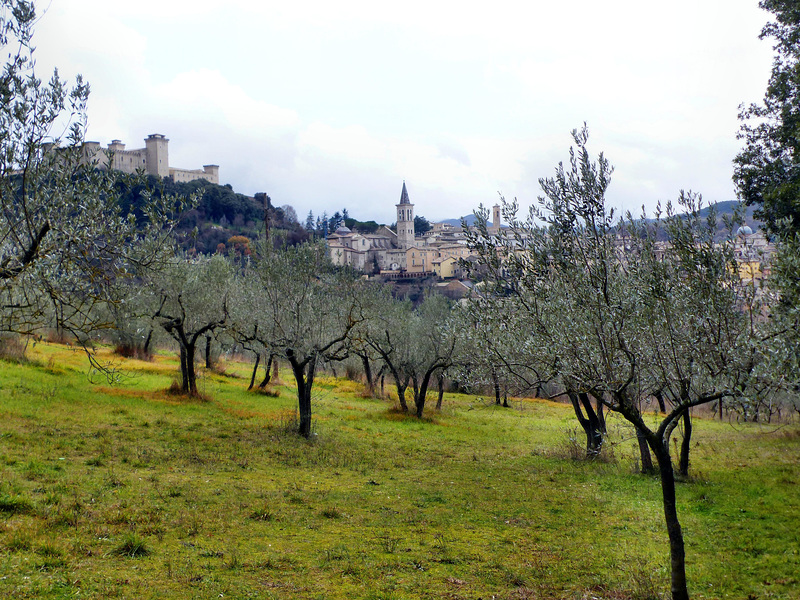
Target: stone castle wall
[[153, 159]]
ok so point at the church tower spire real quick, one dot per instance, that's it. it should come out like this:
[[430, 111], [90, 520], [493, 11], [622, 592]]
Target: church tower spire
[[405, 220]]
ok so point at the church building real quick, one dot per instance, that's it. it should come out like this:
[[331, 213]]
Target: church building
[[384, 250], [437, 252]]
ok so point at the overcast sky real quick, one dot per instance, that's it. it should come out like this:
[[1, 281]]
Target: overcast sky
[[326, 105]]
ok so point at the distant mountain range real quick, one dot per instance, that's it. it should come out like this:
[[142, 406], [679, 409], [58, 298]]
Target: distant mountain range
[[727, 208], [470, 219], [723, 208]]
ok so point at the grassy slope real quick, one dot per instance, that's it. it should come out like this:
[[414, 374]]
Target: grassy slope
[[477, 502]]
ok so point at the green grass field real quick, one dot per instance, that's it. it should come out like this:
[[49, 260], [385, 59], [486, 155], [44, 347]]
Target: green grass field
[[127, 491]]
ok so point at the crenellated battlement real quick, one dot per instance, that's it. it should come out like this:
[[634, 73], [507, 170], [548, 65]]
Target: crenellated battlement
[[153, 159]]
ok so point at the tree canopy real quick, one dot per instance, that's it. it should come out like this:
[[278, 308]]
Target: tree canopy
[[767, 170], [596, 303], [66, 239]]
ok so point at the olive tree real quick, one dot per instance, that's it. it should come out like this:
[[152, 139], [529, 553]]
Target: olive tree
[[65, 242], [415, 344], [193, 301], [434, 344], [386, 333], [379, 307], [491, 354], [618, 316], [518, 318], [301, 307]]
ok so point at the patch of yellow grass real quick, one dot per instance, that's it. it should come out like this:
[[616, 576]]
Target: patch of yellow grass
[[347, 386], [160, 396], [281, 416]]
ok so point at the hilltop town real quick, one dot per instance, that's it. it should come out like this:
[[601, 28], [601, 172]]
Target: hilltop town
[[404, 253], [392, 254]]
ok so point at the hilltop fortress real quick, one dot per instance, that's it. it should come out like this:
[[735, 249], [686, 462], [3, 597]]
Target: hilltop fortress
[[153, 159], [404, 253]]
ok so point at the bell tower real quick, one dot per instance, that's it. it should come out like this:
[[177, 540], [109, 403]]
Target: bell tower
[[495, 228], [405, 220]]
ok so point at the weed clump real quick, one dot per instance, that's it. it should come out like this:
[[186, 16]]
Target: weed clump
[[132, 546], [264, 515], [14, 505], [49, 551], [19, 542], [331, 513], [574, 448]]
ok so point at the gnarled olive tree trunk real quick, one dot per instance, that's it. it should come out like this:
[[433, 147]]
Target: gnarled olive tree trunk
[[303, 372], [593, 423]]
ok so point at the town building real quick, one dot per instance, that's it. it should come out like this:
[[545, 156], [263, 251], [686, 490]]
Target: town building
[[754, 253], [405, 221]]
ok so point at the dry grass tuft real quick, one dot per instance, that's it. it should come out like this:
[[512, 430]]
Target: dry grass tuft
[[133, 351], [176, 391], [269, 391], [12, 349]]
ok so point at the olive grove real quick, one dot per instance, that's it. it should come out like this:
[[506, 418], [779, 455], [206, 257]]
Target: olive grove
[[615, 316]]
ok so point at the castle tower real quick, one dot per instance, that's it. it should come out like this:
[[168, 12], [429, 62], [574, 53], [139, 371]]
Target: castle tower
[[405, 220], [212, 171], [495, 228], [157, 149]]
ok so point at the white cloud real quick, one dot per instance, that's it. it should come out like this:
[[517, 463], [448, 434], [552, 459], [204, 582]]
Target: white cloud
[[334, 104], [206, 95]]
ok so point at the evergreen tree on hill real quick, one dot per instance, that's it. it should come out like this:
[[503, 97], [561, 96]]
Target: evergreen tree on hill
[[219, 215], [767, 170]]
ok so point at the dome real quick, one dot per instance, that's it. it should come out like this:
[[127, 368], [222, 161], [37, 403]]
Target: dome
[[744, 230], [343, 230]]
